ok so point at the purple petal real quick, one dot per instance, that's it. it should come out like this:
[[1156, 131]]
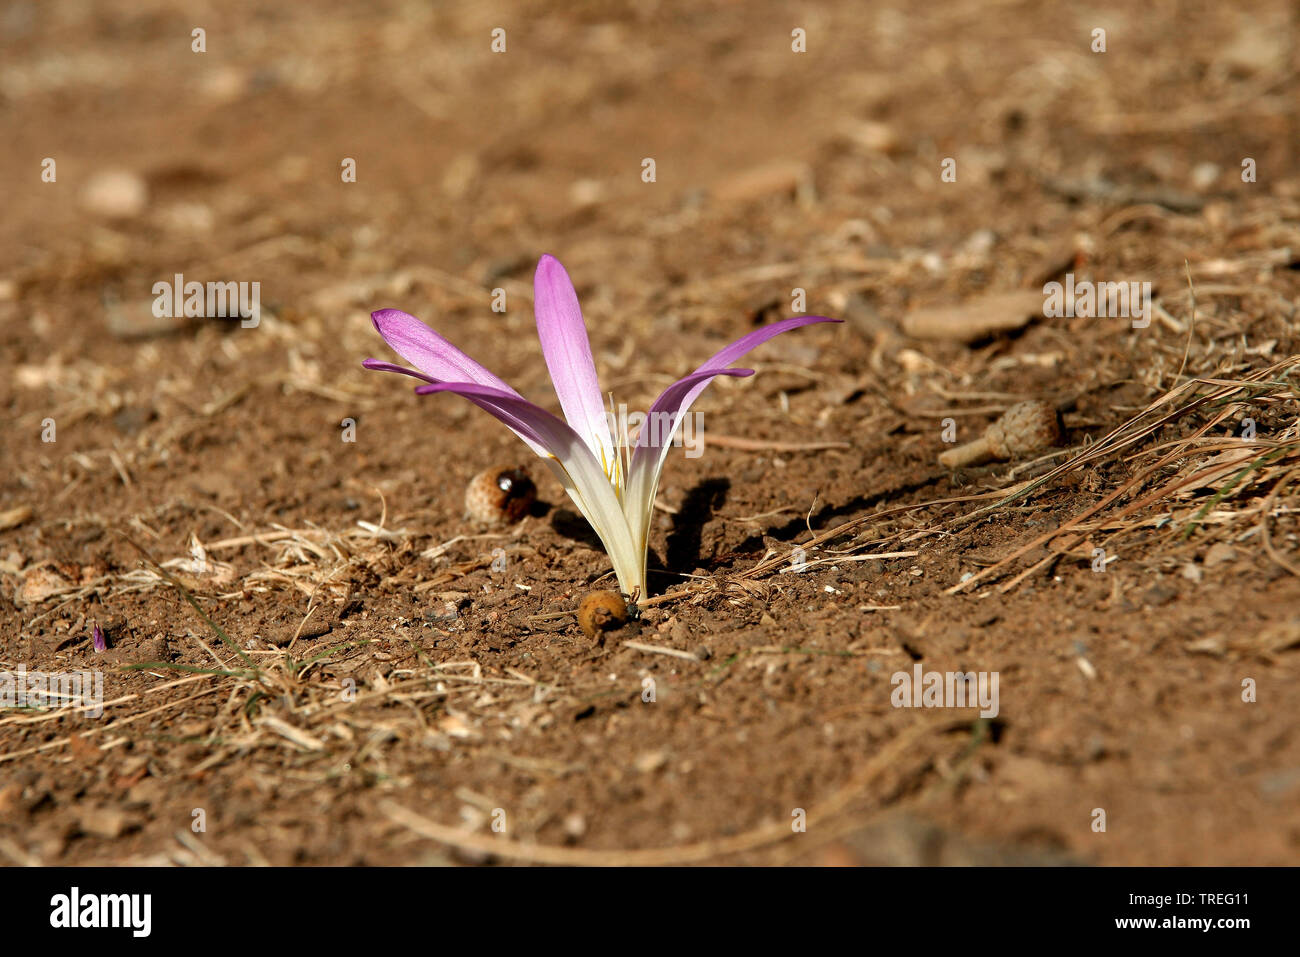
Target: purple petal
[[652, 447], [378, 366], [547, 434], [429, 352], [673, 403], [568, 355], [97, 638], [698, 380], [647, 462], [726, 356]]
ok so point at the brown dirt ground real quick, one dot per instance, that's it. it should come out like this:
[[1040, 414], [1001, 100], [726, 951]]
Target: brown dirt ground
[[1119, 690]]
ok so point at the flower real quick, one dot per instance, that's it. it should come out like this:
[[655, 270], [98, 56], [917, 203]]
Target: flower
[[97, 638], [613, 486]]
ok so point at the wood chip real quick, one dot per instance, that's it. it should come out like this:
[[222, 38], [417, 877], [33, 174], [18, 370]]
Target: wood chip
[[14, 517], [977, 319], [290, 733], [783, 177], [107, 822]]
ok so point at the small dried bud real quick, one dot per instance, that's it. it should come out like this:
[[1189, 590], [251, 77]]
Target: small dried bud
[[1024, 428], [500, 496], [601, 611]]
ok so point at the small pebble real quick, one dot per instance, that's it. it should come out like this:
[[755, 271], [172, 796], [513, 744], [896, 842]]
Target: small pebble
[[1218, 554], [115, 194], [650, 761]]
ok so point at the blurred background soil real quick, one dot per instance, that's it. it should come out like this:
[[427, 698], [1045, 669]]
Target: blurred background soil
[[372, 690]]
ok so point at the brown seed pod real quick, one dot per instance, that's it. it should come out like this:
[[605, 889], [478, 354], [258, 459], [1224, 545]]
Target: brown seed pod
[[601, 611], [500, 496], [1025, 427]]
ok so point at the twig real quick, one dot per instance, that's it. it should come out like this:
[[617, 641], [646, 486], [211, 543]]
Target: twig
[[659, 650]]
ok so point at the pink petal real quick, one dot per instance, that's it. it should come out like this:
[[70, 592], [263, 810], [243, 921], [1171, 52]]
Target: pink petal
[[568, 355], [429, 352]]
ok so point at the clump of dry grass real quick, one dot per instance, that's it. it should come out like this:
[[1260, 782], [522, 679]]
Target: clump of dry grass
[[1250, 474]]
